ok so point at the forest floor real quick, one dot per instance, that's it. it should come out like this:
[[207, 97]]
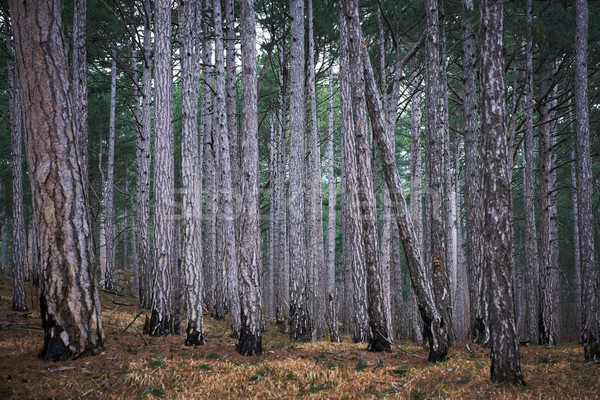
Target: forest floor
[[134, 365]]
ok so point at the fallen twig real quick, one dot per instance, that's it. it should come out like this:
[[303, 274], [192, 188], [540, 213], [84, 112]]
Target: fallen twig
[[131, 323]]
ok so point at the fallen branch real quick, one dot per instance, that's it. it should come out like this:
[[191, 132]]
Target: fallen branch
[[131, 323]]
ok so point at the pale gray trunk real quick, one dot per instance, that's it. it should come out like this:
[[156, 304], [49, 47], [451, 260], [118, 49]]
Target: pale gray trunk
[[190, 23], [70, 305], [479, 330], [351, 212], [226, 209], [107, 260], [19, 239], [143, 156], [249, 229], [161, 321], [273, 243], [590, 319], [576, 245], [301, 323], [498, 266], [137, 113]]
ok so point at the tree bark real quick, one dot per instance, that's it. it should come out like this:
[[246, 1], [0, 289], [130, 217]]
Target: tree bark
[[80, 92], [301, 323], [143, 142], [498, 264], [226, 210], [249, 233], [590, 334], [161, 320], [19, 238], [316, 244], [70, 306], [190, 22]]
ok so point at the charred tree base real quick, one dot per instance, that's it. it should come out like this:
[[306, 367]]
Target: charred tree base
[[55, 350], [18, 306], [300, 325], [194, 337], [591, 350], [506, 374], [249, 344], [158, 326], [379, 342], [480, 333]]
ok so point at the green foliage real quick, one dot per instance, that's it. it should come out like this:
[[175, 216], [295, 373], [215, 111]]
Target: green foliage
[[361, 364], [156, 362], [212, 354], [205, 367]]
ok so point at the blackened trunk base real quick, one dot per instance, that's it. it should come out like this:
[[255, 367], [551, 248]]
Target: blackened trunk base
[[193, 337], [379, 342], [249, 344], [160, 327]]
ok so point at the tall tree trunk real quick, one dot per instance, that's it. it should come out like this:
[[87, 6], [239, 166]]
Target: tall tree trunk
[[108, 211], [331, 223], [505, 366], [143, 142], [531, 248], [161, 320], [576, 244], [435, 324], [351, 212], [190, 22], [434, 195], [80, 92], [590, 334], [316, 244], [226, 209], [268, 283], [300, 317], [249, 233], [70, 305], [549, 279], [19, 239]]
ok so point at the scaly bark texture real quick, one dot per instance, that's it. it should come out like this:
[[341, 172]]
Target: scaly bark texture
[[161, 320], [353, 248], [70, 305], [498, 262], [434, 195], [80, 92], [576, 242], [249, 233], [19, 239], [435, 325], [531, 247], [590, 319], [190, 22], [317, 256], [226, 211], [300, 319], [143, 142]]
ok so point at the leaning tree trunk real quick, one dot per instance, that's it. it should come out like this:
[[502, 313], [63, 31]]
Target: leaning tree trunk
[[435, 325], [19, 239], [161, 320], [590, 334], [498, 264], [249, 233], [531, 248], [190, 22], [378, 309], [352, 226], [434, 195], [300, 318], [143, 156], [226, 210], [316, 248], [70, 305]]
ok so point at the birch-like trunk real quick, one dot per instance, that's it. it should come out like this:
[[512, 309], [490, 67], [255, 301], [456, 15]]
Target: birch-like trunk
[[161, 320], [70, 305]]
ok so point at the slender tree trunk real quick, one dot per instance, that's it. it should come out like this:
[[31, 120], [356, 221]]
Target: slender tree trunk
[[531, 249], [268, 284], [549, 279], [331, 224], [161, 321], [352, 229], [70, 306], [190, 23], [143, 142], [434, 194], [19, 243], [249, 233], [316, 244], [435, 325], [300, 317], [4, 248], [590, 334], [576, 244], [496, 183], [108, 212], [226, 211]]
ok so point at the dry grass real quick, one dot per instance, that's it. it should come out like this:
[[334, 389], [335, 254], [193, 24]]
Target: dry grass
[[137, 366]]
